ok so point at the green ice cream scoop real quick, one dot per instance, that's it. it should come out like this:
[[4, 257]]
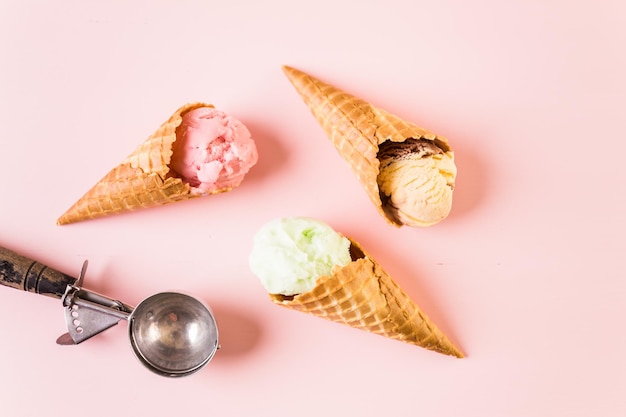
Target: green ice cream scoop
[[289, 254]]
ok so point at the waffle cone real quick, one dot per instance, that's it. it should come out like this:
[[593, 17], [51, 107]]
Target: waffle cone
[[143, 179], [357, 128], [362, 295]]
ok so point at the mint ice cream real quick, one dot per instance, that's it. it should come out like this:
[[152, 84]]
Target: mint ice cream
[[289, 254]]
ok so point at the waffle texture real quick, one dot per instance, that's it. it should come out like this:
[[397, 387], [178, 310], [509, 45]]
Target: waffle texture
[[141, 180], [362, 295], [357, 128]]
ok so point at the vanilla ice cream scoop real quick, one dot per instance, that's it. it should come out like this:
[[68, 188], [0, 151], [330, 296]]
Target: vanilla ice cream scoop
[[213, 151], [416, 180]]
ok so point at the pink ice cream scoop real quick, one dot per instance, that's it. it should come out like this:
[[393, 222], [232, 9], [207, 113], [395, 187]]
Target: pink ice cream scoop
[[213, 151]]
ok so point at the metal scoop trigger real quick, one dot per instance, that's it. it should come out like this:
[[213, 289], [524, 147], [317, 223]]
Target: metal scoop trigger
[[87, 313]]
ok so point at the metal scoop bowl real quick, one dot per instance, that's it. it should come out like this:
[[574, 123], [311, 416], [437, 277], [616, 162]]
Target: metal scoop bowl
[[172, 334]]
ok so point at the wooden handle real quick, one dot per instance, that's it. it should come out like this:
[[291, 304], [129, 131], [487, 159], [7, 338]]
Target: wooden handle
[[22, 273]]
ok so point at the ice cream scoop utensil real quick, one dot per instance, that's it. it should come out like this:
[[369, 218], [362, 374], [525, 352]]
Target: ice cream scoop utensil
[[172, 334]]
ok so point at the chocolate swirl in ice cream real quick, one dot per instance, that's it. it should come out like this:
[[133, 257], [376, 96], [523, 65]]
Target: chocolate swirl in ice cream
[[416, 179], [395, 150]]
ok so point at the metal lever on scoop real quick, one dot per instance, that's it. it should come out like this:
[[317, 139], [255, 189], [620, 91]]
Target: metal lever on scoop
[[88, 313]]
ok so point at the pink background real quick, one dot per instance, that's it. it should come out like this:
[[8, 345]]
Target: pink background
[[526, 275]]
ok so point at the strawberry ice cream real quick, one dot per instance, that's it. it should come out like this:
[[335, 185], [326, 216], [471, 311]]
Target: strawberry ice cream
[[213, 151]]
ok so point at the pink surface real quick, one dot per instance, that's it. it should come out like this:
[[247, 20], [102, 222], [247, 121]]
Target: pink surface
[[526, 275]]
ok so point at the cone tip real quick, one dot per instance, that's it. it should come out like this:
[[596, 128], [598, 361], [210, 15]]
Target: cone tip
[[452, 350], [290, 72], [62, 221], [445, 346]]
